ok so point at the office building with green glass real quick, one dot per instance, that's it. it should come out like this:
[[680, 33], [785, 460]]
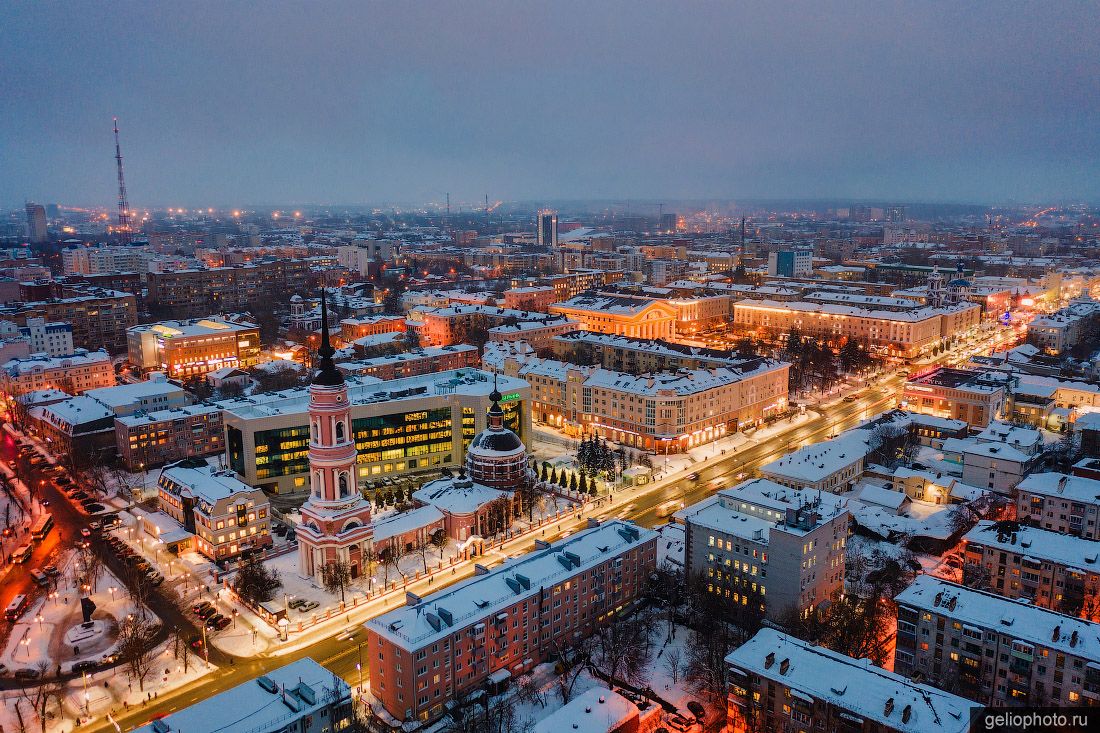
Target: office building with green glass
[[401, 426]]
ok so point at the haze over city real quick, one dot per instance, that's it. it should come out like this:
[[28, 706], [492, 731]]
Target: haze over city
[[284, 103]]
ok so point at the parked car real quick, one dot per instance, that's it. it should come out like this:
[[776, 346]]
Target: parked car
[[45, 502], [51, 570], [697, 710], [94, 508], [85, 666], [221, 623], [85, 532], [206, 613], [78, 495], [213, 620], [26, 673], [109, 658], [308, 606], [196, 643], [296, 602], [200, 606]]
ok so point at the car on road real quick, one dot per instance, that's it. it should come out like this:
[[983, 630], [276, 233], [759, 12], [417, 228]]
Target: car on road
[[109, 658], [850, 398], [26, 673], [85, 532], [85, 666], [62, 481], [45, 502], [51, 570], [196, 643]]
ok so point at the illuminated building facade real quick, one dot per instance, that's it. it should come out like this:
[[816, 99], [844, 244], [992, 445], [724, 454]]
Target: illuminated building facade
[[398, 426], [620, 315], [185, 349]]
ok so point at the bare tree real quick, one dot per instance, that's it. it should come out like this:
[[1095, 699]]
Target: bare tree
[[336, 576], [255, 582], [673, 664], [620, 649], [391, 557], [422, 546], [90, 563], [571, 662], [135, 647], [39, 695], [181, 648], [528, 690]]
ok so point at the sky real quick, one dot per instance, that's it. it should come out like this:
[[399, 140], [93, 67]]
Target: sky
[[234, 104]]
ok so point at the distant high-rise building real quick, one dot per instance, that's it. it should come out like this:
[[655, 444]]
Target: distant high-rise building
[[546, 227], [36, 223], [791, 263], [668, 223], [896, 214], [53, 211]]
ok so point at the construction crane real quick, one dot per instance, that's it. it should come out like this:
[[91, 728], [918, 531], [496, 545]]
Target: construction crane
[[125, 227]]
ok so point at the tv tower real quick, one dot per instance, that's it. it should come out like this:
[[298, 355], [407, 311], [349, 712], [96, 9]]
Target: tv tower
[[125, 228]]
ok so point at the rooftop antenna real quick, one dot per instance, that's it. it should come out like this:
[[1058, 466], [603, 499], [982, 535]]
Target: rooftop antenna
[[124, 224]]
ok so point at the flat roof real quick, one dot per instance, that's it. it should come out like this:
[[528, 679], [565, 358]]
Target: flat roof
[[193, 327], [172, 413], [363, 390], [479, 597], [204, 482], [293, 691]]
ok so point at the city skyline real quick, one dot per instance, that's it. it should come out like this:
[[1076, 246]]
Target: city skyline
[[914, 102]]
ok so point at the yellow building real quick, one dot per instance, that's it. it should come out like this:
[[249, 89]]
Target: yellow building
[[620, 315]]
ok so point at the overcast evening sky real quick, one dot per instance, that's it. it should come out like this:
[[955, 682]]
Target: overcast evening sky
[[274, 102]]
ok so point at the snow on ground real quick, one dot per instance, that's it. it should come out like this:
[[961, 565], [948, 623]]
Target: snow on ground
[[41, 632], [665, 672]]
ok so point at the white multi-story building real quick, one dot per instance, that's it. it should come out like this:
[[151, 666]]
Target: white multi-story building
[[832, 465], [362, 254], [51, 339], [767, 549], [1064, 329], [994, 650]]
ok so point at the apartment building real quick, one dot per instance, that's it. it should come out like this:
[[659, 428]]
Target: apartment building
[[573, 283], [994, 650], [994, 466], [155, 438], [620, 315], [454, 324], [155, 393], [192, 348], [399, 426], [902, 334], [781, 683], [1060, 503], [428, 360], [959, 394], [73, 373], [197, 292], [99, 317], [1061, 331], [1049, 569], [503, 622], [665, 412], [51, 339], [226, 516], [534, 298], [767, 549], [80, 260]]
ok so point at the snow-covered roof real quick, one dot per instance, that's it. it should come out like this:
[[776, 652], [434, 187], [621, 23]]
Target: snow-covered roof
[[75, 411], [971, 446], [1055, 547], [913, 316], [300, 689], [368, 390], [172, 413], [853, 685], [618, 304], [1064, 486], [597, 710], [194, 327], [477, 598], [457, 495], [125, 395], [1023, 621], [885, 498], [398, 523], [752, 509], [203, 482], [1026, 439], [31, 364], [816, 462], [1088, 421]]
